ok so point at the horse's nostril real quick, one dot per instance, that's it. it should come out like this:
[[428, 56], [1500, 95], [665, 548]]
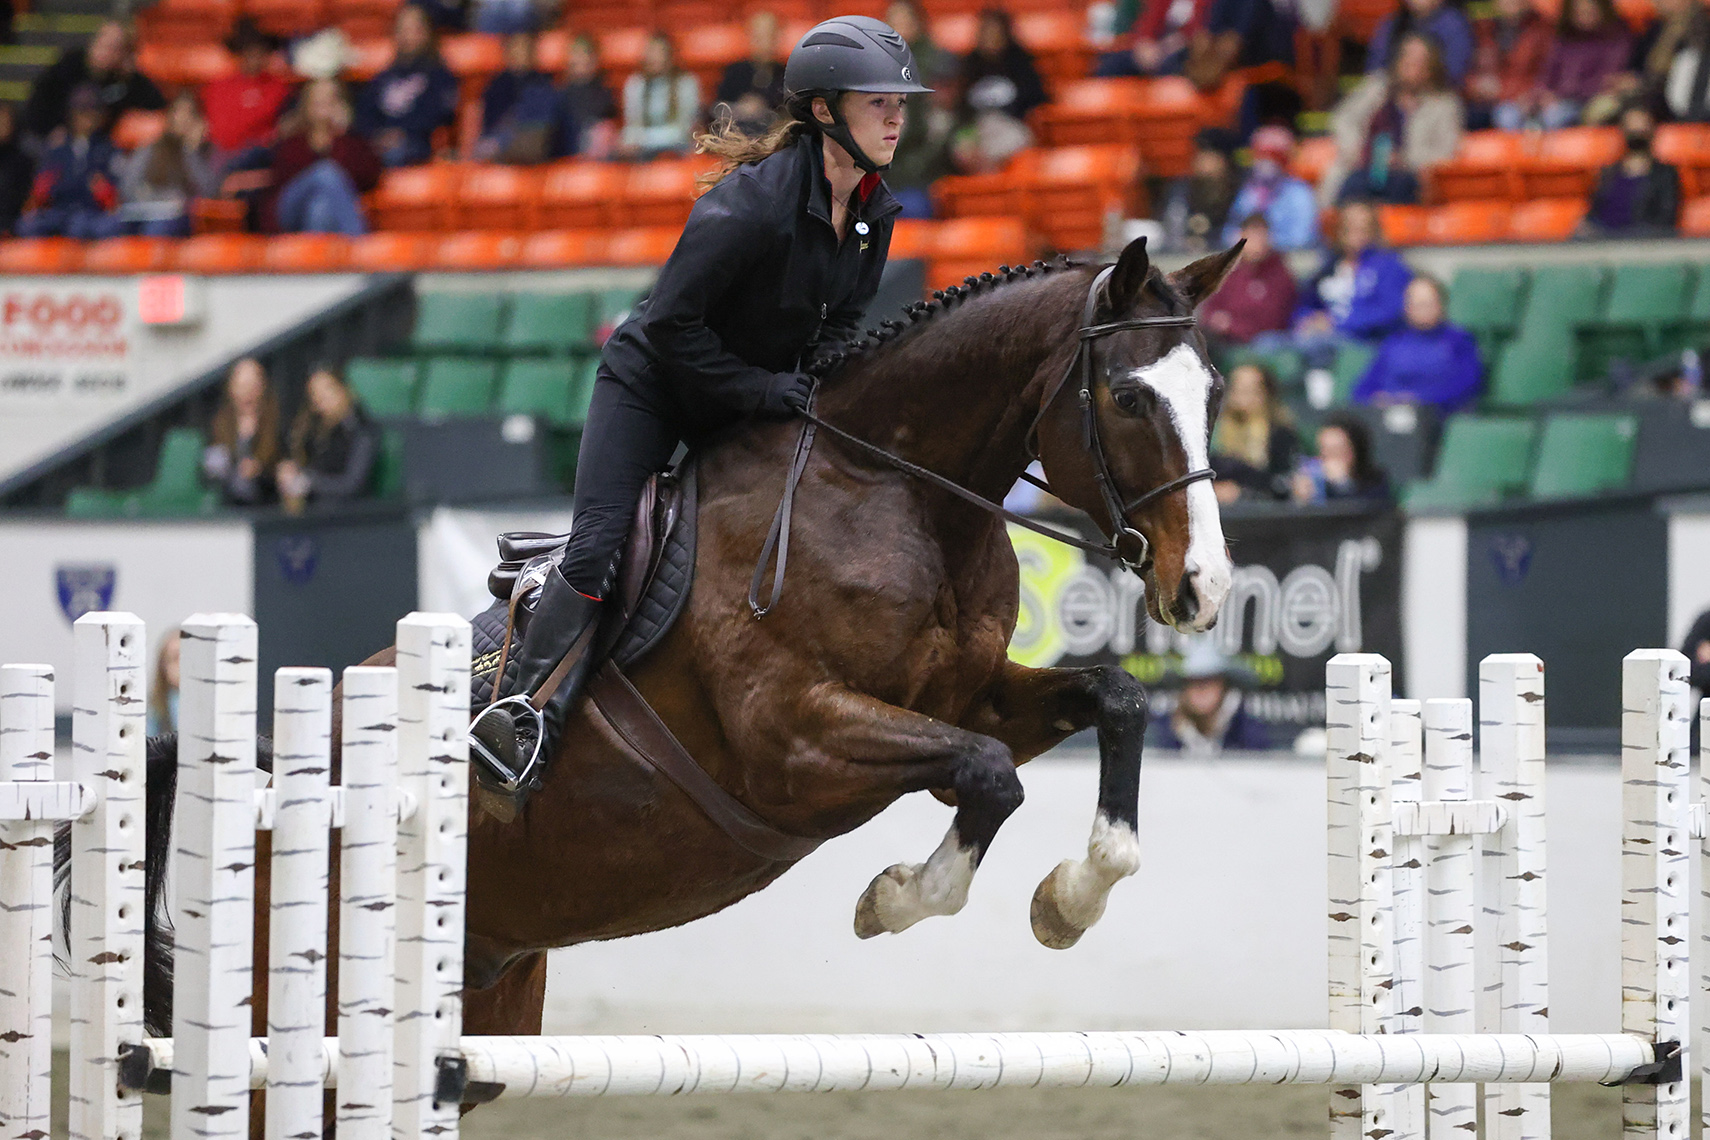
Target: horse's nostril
[[1187, 599]]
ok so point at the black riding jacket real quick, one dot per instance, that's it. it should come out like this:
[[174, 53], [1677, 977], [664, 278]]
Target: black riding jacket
[[757, 286]]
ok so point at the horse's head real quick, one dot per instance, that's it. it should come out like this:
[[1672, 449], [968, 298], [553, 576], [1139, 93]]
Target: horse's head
[[1155, 395]]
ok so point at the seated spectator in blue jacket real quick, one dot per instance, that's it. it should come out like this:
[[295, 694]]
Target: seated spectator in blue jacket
[[1287, 203], [405, 104], [1443, 22], [585, 116], [1208, 717], [76, 191], [517, 108], [1428, 362], [1356, 294]]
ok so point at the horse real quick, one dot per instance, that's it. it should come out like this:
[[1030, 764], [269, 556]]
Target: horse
[[883, 669]]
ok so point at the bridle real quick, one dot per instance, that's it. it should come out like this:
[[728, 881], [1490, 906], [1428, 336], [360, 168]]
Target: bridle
[[1120, 533]]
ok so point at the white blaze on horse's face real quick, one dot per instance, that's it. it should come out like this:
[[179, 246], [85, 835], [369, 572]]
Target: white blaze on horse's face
[[1183, 383]]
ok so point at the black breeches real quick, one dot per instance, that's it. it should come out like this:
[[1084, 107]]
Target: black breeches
[[626, 439]]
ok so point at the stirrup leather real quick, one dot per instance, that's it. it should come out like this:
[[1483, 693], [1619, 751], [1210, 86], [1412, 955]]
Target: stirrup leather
[[522, 710]]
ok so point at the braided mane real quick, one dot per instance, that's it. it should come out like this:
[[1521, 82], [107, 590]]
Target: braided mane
[[942, 301]]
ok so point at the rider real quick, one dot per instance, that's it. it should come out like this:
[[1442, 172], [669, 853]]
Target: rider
[[776, 265]]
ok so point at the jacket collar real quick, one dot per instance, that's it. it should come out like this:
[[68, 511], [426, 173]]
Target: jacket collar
[[878, 204]]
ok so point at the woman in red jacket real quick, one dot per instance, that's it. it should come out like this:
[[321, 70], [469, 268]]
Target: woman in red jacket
[[321, 168]]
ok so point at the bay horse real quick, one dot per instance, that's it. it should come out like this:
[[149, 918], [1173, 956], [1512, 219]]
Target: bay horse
[[883, 670]]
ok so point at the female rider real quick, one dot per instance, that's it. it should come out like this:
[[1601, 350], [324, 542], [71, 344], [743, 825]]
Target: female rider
[[777, 264]]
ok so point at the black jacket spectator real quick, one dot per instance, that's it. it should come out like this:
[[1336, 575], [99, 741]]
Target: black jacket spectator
[[17, 169], [1697, 650], [337, 461], [761, 75], [999, 75], [1636, 195], [108, 64]]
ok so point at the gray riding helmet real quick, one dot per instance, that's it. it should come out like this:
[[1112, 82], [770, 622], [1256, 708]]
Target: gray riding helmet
[[851, 53]]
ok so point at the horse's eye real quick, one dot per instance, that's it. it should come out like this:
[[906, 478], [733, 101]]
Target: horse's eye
[[1126, 399]]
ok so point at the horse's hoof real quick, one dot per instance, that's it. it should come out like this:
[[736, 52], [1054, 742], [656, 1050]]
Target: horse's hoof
[[1051, 926], [882, 905]]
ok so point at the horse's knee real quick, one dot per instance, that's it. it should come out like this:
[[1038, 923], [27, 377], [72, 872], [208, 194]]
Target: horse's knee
[[1118, 696], [987, 777]]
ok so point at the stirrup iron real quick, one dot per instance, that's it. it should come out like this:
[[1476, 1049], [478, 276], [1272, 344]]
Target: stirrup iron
[[495, 772]]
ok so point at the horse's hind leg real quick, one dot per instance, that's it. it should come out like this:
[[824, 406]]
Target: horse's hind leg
[[1033, 710]]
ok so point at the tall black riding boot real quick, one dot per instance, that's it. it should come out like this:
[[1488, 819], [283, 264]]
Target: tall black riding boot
[[515, 734]]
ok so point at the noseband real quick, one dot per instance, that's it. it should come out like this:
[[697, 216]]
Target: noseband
[[1121, 534]]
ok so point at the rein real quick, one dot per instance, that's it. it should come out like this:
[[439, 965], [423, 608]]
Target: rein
[[778, 538]]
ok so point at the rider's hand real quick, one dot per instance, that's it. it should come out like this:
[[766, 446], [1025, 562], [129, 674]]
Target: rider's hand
[[787, 395]]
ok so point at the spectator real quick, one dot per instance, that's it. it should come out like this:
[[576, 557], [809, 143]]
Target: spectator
[[517, 108], [923, 152], [1636, 196], [585, 118], [405, 104], [76, 189], [1590, 49], [1357, 293], [1443, 23], [1154, 36], [1196, 207], [1286, 202], [160, 180], [1258, 296], [243, 108], [1241, 34], [1208, 717], [1254, 444], [998, 76], [321, 169], [17, 169], [660, 103], [502, 17], [163, 690], [937, 67], [333, 445], [753, 88], [245, 448], [1697, 650], [1667, 61], [1392, 127], [1428, 362], [1508, 59], [1343, 470], [108, 64]]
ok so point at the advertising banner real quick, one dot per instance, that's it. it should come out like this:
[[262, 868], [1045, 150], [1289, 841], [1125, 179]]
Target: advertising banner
[[66, 342]]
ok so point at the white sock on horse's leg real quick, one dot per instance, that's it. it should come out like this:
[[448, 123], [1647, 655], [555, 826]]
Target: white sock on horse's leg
[[1072, 897], [903, 894]]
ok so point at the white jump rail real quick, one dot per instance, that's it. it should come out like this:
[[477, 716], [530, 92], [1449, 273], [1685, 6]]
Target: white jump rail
[[1437, 918]]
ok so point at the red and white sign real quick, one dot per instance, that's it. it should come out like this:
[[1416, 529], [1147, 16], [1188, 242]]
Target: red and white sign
[[58, 342]]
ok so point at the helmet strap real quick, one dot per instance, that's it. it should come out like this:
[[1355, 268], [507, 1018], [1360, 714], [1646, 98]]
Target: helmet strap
[[839, 133]]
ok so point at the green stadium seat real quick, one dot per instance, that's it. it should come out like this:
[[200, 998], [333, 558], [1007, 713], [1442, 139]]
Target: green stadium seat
[[540, 388], [457, 386], [1486, 302], [176, 488], [388, 477], [1351, 364], [1582, 453], [1286, 364], [614, 305], [548, 322], [1563, 296], [1531, 369], [384, 388], [95, 503], [1643, 301], [460, 321], [1693, 328], [1482, 459]]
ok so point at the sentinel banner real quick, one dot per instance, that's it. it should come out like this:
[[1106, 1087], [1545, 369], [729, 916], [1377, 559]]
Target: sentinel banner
[[1308, 584]]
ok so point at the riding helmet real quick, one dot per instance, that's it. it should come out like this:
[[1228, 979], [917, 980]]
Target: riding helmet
[[848, 53]]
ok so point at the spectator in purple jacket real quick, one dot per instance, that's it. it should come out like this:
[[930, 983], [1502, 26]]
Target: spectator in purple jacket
[[1258, 294], [1587, 59], [1429, 361]]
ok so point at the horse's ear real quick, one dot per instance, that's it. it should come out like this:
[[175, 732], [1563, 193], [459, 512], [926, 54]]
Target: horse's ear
[[1128, 277], [1200, 279]]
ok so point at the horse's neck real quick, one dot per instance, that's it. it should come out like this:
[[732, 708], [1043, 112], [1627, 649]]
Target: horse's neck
[[958, 395]]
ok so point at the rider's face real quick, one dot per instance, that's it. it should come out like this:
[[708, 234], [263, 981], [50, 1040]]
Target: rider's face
[[876, 122]]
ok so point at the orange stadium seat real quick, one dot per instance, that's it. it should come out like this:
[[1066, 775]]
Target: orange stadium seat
[[1567, 161], [497, 198], [1546, 220], [1485, 166], [954, 31], [218, 216], [415, 197], [1090, 111], [660, 193], [1057, 38], [306, 253], [40, 255], [288, 17], [391, 253], [999, 192], [620, 49], [365, 19], [368, 58], [128, 255], [1312, 158], [705, 49], [175, 65], [473, 56], [556, 249], [552, 51], [1359, 19], [913, 238], [1466, 223], [1073, 188], [650, 245], [1403, 225], [968, 247], [1686, 146], [220, 253], [186, 21], [138, 128], [580, 195], [1694, 218], [683, 15], [479, 249]]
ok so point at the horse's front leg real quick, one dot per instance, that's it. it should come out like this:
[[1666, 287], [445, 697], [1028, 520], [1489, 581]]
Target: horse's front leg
[[1033, 710]]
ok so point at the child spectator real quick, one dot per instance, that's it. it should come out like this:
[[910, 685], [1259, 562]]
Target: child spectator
[[1343, 470], [1590, 49], [405, 104], [321, 168], [1286, 202], [107, 64], [1197, 207], [1154, 36], [1357, 293], [1508, 59], [160, 180], [1443, 23], [332, 448], [243, 108], [660, 103], [163, 690], [76, 191], [585, 115], [1428, 362], [1208, 718], [245, 448], [1393, 126], [17, 169], [1258, 296], [517, 108], [1254, 445], [753, 88], [1636, 196]]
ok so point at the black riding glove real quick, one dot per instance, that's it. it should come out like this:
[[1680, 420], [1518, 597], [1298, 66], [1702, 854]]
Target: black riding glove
[[787, 394]]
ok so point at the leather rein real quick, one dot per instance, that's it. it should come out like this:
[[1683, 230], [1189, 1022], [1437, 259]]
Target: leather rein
[[1120, 533]]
